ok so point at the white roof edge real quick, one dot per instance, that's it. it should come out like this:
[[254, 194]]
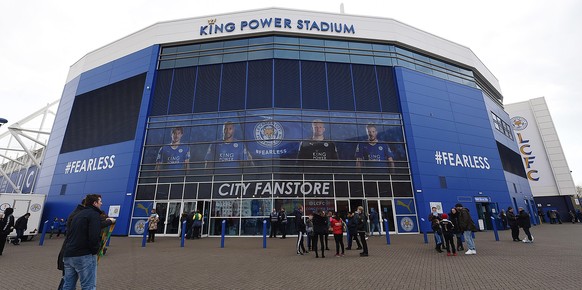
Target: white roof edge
[[158, 33]]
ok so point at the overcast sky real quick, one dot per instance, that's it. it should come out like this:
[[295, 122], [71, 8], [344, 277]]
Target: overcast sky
[[532, 47]]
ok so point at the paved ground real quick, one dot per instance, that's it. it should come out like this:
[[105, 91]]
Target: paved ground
[[552, 262]]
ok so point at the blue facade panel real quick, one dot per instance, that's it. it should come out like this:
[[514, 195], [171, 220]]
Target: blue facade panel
[[449, 136], [109, 170]]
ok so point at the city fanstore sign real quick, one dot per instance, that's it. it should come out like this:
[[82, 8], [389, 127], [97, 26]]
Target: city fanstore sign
[[216, 27]]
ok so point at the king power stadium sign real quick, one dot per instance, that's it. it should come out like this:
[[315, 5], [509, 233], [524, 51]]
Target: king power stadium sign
[[214, 27]]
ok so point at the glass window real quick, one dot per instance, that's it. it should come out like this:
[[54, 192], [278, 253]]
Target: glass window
[[309, 55], [236, 43], [235, 57], [162, 191], [286, 54], [190, 190], [336, 43], [311, 44], [184, 62], [286, 39], [176, 191], [337, 57], [145, 192]]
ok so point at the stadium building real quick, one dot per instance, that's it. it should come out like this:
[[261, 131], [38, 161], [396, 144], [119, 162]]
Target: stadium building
[[240, 113]]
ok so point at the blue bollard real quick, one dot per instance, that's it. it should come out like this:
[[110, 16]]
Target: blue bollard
[[495, 229], [387, 231], [183, 234], [348, 236], [44, 227], [223, 233], [424, 232], [264, 234], [145, 234]]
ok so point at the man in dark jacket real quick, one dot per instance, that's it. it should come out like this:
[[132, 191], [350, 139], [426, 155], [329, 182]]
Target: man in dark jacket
[[512, 219], [524, 222], [362, 226], [82, 246], [282, 221], [467, 225], [353, 231], [6, 227], [300, 228], [20, 226]]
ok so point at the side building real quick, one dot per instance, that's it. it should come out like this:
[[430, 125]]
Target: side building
[[240, 113], [547, 169]]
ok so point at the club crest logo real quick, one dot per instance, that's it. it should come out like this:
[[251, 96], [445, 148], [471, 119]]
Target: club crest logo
[[139, 227], [407, 224], [4, 206], [35, 207], [519, 123], [269, 133]]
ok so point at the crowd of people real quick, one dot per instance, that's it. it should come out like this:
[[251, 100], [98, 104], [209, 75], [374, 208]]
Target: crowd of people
[[318, 226], [459, 224]]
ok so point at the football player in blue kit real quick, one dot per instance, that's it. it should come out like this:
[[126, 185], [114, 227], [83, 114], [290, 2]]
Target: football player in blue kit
[[229, 153], [373, 153], [316, 151], [175, 155]]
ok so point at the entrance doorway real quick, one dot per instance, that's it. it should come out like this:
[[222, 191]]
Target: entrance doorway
[[342, 207], [484, 211], [385, 211], [169, 213]]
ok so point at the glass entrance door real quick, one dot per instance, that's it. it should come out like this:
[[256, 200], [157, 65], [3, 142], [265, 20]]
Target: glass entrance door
[[342, 207], [386, 212], [204, 207], [169, 213]]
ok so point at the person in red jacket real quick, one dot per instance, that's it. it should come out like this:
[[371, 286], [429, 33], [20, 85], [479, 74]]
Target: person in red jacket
[[337, 226]]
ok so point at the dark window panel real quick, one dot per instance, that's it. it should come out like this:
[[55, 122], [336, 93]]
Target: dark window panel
[[207, 88], [387, 87], [95, 122], [365, 88], [233, 86], [260, 84], [183, 91], [339, 81], [313, 85], [287, 93], [162, 92]]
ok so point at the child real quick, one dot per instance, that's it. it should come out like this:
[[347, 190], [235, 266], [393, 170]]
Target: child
[[447, 228]]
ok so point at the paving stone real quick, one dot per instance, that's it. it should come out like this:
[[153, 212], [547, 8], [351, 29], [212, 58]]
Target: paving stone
[[551, 262]]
